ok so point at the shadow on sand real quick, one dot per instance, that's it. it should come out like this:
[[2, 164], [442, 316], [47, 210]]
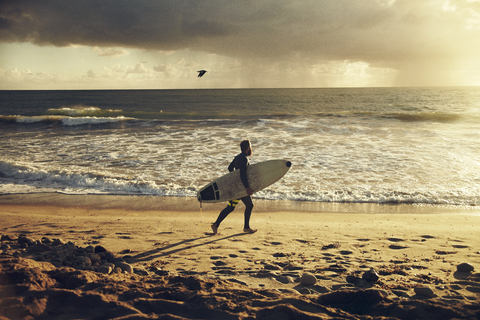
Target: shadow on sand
[[180, 246]]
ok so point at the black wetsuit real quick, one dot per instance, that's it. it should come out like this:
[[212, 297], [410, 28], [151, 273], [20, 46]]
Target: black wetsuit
[[240, 162]]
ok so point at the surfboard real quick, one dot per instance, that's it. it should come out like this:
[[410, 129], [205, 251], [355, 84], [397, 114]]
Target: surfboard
[[229, 186]]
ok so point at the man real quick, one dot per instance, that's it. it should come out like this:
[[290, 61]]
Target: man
[[240, 162]]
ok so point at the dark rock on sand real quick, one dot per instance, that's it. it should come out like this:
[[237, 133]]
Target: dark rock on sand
[[308, 279], [40, 247], [100, 249], [125, 267], [358, 282], [371, 275], [58, 242], [6, 237], [465, 267], [105, 269], [27, 241], [424, 292]]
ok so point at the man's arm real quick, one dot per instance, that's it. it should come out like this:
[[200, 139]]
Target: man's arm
[[243, 176], [242, 165], [231, 166]]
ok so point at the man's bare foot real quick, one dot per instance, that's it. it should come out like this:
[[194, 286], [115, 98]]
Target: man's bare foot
[[249, 230], [214, 228]]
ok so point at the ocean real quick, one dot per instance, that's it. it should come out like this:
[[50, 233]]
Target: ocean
[[349, 145]]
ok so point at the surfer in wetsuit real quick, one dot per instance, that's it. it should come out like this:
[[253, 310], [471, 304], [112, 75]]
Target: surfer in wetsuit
[[240, 162]]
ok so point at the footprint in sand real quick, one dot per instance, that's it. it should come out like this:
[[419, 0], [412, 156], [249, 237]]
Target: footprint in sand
[[280, 255], [331, 246], [459, 246], [397, 247], [444, 252], [395, 239], [426, 236]]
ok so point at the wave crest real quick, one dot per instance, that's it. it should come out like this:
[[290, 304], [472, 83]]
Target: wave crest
[[83, 111], [64, 120]]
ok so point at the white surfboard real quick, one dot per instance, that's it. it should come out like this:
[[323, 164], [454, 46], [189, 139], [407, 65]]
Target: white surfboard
[[229, 187]]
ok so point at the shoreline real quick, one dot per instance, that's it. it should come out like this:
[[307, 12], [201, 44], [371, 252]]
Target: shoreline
[[415, 250], [167, 203]]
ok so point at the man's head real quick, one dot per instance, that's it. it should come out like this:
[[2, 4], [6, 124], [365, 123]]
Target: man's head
[[246, 147]]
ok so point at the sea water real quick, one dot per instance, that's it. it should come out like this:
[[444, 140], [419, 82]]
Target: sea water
[[358, 145]]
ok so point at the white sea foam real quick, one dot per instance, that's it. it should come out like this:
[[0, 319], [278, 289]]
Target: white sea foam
[[332, 162], [70, 121], [65, 120], [36, 119], [80, 110]]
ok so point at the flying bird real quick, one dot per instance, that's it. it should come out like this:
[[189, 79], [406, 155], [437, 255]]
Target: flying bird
[[201, 73]]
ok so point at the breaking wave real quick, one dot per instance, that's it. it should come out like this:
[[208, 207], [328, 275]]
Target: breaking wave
[[64, 120]]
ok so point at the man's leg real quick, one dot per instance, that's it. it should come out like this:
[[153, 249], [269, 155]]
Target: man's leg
[[248, 212], [223, 214]]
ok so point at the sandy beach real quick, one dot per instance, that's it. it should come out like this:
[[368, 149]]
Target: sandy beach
[[129, 257]]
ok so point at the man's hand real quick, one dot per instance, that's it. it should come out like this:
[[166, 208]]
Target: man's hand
[[249, 191]]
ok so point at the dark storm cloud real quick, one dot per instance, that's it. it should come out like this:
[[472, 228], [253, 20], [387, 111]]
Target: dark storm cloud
[[143, 24], [379, 31]]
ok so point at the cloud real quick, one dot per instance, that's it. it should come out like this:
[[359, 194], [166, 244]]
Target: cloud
[[162, 68], [384, 34], [18, 79], [110, 52], [139, 68]]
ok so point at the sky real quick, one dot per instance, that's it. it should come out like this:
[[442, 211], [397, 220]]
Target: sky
[[161, 44]]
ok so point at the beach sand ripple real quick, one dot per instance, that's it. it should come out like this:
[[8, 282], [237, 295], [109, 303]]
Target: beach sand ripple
[[39, 290], [89, 263]]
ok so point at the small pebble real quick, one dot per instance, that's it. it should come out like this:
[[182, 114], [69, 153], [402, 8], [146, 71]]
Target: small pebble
[[84, 260], [371, 275], [90, 249], [46, 240], [6, 237], [41, 248], [58, 242], [25, 240], [424, 292], [308, 279], [141, 271], [105, 269], [100, 249], [124, 267], [94, 257]]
